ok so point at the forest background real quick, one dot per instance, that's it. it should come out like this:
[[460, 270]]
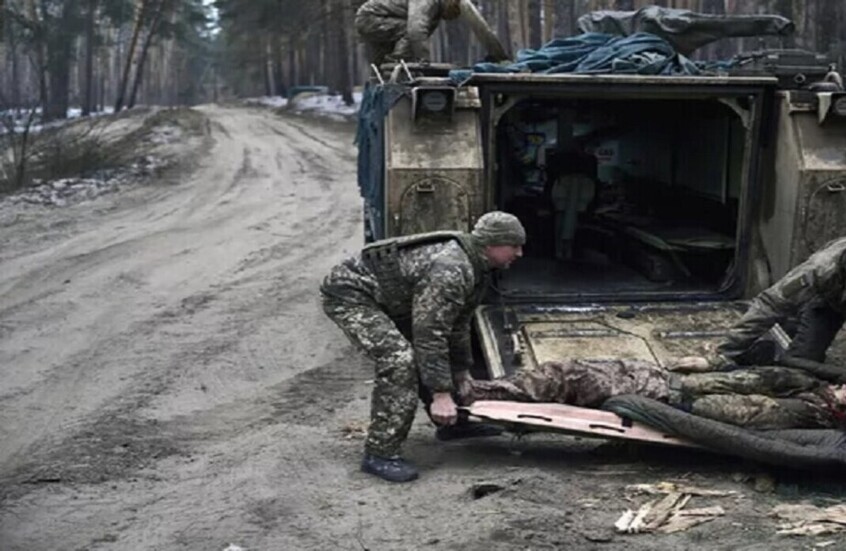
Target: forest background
[[96, 55]]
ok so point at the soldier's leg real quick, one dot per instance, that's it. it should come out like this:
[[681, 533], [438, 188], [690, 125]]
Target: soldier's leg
[[402, 50], [381, 35], [760, 412], [817, 327], [767, 380], [379, 52], [394, 400]]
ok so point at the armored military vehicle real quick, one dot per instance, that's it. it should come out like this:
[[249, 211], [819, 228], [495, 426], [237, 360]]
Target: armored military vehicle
[[653, 204]]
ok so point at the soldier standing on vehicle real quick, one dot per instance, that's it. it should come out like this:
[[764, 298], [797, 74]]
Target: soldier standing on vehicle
[[400, 29], [814, 292], [407, 303]]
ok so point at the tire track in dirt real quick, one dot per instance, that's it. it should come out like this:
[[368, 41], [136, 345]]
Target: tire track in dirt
[[71, 376], [185, 346]]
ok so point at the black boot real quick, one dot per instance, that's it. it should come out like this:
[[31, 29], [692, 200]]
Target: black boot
[[392, 469]]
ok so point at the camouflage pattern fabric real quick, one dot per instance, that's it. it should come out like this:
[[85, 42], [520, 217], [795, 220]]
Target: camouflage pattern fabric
[[767, 397], [434, 291], [585, 383], [394, 399], [761, 397], [757, 411], [399, 29], [816, 284]]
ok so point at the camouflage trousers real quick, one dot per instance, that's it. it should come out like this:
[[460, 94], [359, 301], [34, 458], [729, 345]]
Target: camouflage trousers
[[385, 37], [758, 397], [395, 391]]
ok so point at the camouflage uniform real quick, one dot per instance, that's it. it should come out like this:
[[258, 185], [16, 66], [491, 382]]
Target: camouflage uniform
[[425, 286], [814, 291], [760, 397], [400, 29], [585, 383]]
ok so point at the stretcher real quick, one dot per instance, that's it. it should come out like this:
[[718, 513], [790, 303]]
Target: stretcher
[[521, 417]]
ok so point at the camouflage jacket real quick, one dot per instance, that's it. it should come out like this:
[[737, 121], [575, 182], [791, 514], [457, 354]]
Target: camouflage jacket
[[581, 382], [423, 17], [436, 289], [821, 277]]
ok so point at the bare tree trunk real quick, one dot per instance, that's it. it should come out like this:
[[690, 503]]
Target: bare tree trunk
[[548, 20], [267, 71], [574, 27], [142, 58], [440, 45], [841, 37], [40, 57], [301, 61], [140, 15], [15, 79], [342, 16], [516, 37], [88, 103], [276, 60], [59, 52], [826, 32], [561, 17], [503, 29], [354, 51], [293, 77], [533, 21]]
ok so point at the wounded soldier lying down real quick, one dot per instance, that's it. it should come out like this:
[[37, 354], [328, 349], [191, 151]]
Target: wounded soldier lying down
[[755, 397]]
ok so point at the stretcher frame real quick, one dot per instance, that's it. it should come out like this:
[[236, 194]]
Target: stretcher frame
[[522, 417]]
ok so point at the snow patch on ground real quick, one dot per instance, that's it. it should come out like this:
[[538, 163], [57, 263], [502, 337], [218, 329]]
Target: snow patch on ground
[[328, 105], [325, 105], [267, 101], [67, 191], [165, 134], [19, 119]]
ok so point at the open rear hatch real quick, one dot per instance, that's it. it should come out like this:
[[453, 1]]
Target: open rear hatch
[[631, 188]]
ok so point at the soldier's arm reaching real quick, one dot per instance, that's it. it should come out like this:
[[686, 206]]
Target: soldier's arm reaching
[[439, 301], [766, 310]]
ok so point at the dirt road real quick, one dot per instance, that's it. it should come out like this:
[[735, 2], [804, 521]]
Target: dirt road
[[169, 382]]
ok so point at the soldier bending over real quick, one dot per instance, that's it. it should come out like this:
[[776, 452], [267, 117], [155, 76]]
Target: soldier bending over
[[814, 292], [400, 29], [407, 304]]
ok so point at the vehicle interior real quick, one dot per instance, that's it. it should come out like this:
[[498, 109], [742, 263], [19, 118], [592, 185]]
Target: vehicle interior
[[621, 196]]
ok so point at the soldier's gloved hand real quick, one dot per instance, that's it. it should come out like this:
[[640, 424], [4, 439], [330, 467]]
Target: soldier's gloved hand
[[443, 409]]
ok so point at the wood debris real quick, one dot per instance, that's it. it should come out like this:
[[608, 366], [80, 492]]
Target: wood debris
[[354, 429], [673, 487], [668, 514], [688, 518], [809, 520]]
